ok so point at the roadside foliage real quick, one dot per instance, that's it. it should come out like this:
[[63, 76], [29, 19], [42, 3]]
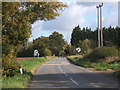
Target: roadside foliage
[[17, 18]]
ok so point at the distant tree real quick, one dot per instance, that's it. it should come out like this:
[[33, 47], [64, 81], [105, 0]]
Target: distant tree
[[67, 49], [18, 17], [110, 36], [87, 46], [47, 52], [75, 38], [26, 51], [56, 43], [79, 35], [40, 44]]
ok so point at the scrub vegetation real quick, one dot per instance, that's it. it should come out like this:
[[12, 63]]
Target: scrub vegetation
[[22, 80], [100, 59]]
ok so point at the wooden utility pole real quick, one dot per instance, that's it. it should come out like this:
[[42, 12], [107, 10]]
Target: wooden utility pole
[[100, 33], [98, 25]]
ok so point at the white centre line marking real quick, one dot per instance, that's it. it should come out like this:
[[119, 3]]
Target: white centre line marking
[[67, 76], [59, 67], [61, 70], [94, 85], [74, 81]]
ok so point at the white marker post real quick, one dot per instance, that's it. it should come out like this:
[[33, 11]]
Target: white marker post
[[78, 50], [21, 71]]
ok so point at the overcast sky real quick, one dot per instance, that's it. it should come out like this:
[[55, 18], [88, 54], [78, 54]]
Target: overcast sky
[[83, 14]]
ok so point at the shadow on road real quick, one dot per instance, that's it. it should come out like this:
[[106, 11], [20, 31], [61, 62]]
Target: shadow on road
[[84, 80]]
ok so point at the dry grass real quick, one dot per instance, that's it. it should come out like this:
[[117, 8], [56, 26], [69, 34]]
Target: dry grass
[[109, 59], [74, 56], [25, 58]]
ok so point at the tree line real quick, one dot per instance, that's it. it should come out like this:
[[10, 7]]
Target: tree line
[[84, 38], [110, 36], [54, 45], [46, 46]]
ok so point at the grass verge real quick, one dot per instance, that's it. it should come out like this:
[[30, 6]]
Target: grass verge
[[22, 80], [99, 66]]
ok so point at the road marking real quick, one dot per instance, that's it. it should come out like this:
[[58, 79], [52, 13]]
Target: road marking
[[59, 67], [67, 76], [74, 81], [94, 85], [61, 70]]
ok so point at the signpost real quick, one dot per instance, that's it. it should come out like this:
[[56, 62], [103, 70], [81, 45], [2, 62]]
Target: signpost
[[36, 53], [78, 50]]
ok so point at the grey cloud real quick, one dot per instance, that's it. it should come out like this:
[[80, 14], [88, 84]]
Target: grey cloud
[[87, 4], [74, 15], [69, 19]]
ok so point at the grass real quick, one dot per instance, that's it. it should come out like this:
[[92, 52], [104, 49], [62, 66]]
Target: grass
[[22, 80], [32, 64], [100, 66], [18, 81]]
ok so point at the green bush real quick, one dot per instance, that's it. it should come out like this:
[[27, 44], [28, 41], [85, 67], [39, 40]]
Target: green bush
[[47, 52], [76, 58], [9, 65], [100, 53]]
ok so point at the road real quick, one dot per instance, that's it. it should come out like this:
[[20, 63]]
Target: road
[[60, 73]]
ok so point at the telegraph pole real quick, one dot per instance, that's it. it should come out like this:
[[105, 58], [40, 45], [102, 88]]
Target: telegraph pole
[[100, 33], [98, 25]]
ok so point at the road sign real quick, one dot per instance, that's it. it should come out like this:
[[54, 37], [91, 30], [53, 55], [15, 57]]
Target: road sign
[[78, 49], [36, 53]]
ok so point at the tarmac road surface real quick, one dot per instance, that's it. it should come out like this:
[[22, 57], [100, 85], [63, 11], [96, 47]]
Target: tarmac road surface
[[60, 73]]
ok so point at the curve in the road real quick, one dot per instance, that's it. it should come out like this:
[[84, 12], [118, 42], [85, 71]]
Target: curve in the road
[[60, 73]]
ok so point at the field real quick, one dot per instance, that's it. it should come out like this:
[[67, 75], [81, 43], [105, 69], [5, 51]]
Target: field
[[22, 80], [25, 58]]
